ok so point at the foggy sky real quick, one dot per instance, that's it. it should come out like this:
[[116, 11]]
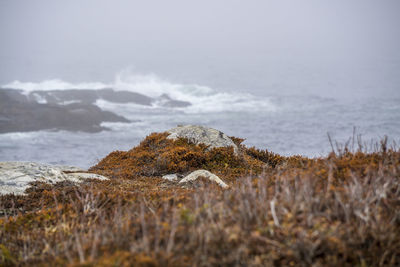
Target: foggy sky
[[310, 46]]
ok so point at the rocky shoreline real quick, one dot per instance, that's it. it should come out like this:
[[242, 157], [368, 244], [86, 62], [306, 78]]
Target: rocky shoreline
[[71, 110]]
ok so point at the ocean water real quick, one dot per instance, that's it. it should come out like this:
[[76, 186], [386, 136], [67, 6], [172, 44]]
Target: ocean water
[[285, 124]]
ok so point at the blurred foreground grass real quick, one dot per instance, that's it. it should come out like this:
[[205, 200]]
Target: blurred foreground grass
[[339, 210]]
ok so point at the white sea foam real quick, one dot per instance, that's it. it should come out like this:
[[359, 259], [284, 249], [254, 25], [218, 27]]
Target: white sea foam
[[40, 99], [153, 86], [16, 136], [203, 99], [54, 84], [70, 102]]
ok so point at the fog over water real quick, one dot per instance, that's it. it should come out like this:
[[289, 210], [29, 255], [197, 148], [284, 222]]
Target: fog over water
[[280, 73], [330, 48]]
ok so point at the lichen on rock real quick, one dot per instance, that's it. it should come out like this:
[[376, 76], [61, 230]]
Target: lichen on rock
[[16, 177], [202, 135]]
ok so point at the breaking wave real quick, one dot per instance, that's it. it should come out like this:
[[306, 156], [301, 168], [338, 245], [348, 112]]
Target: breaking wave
[[53, 84], [203, 99]]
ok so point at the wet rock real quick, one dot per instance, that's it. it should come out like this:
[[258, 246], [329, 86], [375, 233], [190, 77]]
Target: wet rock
[[202, 135], [166, 101], [124, 97], [15, 177], [192, 177], [18, 114], [88, 96]]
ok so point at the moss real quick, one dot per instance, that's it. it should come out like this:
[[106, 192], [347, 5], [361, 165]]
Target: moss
[[338, 210], [269, 158], [156, 156]]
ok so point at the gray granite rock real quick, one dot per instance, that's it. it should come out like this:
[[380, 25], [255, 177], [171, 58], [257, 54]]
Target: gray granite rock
[[15, 177], [171, 177], [192, 177], [202, 135]]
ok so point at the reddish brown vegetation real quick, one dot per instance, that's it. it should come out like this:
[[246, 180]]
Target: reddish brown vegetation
[[342, 210], [157, 156]]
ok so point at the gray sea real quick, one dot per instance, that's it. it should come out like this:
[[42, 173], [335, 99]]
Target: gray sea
[[287, 124]]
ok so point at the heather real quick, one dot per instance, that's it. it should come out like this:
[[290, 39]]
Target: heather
[[338, 210]]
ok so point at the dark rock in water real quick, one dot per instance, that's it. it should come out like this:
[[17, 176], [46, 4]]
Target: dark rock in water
[[166, 101], [18, 113], [89, 96], [72, 110], [13, 95], [124, 97], [62, 96]]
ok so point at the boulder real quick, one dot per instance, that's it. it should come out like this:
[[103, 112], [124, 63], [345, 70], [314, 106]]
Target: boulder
[[204, 174], [202, 135], [15, 177], [171, 177]]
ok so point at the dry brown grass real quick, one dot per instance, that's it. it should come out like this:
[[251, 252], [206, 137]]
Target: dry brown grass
[[342, 210]]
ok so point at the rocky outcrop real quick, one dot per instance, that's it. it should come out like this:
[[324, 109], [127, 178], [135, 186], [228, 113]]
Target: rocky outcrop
[[202, 135], [89, 96], [19, 114], [71, 110], [15, 177], [194, 176]]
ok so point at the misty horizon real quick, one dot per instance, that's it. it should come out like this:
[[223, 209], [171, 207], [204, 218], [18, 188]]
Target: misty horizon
[[334, 49]]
